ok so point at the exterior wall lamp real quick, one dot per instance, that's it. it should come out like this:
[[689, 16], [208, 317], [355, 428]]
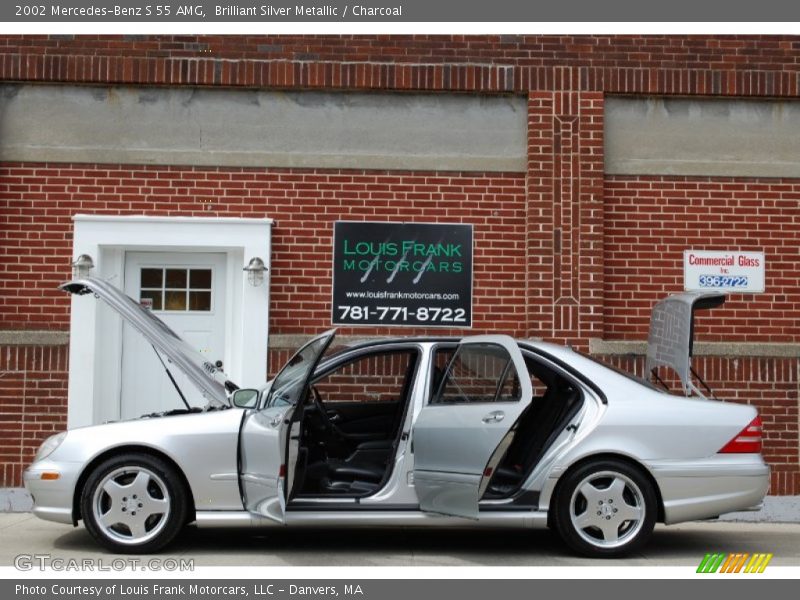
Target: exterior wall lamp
[[81, 266], [255, 271]]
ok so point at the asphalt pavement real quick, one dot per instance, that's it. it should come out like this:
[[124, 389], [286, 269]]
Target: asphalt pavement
[[676, 545]]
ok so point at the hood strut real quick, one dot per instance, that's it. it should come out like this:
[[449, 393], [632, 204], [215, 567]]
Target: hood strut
[[172, 379]]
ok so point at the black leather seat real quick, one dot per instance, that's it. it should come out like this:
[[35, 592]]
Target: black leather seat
[[532, 439], [345, 478]]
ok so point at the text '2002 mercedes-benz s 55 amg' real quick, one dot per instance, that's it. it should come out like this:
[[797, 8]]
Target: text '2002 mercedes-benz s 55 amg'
[[437, 432]]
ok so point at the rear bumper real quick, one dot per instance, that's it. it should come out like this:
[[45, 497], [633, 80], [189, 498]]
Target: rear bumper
[[712, 486]]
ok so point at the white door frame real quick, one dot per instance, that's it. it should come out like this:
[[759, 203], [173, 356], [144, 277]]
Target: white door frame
[[95, 341]]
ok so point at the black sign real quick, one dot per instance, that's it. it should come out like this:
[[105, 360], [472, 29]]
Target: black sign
[[416, 274]]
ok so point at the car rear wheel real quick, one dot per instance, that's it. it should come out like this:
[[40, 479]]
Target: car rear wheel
[[134, 503], [605, 508]]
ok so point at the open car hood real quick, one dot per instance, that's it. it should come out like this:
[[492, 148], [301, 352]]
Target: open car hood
[[671, 335], [208, 378]]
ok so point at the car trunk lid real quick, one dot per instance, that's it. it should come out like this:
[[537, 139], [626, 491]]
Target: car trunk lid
[[670, 342]]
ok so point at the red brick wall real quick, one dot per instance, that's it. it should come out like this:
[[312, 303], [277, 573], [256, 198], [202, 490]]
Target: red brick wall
[[41, 200], [650, 221], [565, 216], [33, 390], [379, 378], [721, 65]]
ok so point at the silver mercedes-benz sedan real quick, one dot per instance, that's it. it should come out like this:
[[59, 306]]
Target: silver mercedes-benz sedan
[[438, 432]]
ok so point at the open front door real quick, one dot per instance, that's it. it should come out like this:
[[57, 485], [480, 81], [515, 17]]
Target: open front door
[[461, 434], [269, 435]]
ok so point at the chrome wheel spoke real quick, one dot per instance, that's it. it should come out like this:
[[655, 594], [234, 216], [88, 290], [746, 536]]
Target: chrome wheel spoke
[[114, 490], [610, 530], [630, 513], [111, 518], [155, 506], [587, 519], [136, 525], [616, 490], [590, 492], [140, 484]]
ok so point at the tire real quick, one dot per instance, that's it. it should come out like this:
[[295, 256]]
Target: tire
[[134, 503], [605, 508]]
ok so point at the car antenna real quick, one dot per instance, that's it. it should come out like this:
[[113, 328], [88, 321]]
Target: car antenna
[[172, 379]]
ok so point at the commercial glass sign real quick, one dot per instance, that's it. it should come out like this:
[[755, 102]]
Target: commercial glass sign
[[412, 274], [723, 271]]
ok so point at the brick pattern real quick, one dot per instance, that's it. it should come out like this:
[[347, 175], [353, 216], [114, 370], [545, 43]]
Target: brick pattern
[[376, 379], [41, 199], [769, 384], [565, 216], [33, 404], [751, 65], [650, 221]]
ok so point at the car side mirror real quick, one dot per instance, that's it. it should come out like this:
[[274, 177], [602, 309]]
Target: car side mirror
[[245, 398]]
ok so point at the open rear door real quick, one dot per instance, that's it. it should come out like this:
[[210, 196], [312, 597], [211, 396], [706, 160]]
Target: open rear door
[[460, 436], [268, 438]]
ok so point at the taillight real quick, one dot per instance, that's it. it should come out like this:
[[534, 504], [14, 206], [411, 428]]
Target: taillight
[[747, 441]]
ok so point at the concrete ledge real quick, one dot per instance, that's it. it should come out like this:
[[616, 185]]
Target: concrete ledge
[[21, 337], [718, 137], [263, 128], [777, 509], [733, 349], [15, 500]]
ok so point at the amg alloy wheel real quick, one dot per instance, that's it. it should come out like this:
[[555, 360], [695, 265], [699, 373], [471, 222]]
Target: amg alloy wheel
[[605, 508], [134, 503]]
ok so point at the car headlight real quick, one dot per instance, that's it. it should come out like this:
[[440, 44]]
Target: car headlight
[[49, 445]]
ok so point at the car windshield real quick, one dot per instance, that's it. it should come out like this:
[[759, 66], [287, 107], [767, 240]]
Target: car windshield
[[290, 382]]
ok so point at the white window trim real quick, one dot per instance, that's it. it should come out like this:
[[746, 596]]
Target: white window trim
[[94, 391]]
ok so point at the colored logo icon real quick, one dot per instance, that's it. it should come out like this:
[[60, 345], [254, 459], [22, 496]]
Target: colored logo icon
[[740, 562]]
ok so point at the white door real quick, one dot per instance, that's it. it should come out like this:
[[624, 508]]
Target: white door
[[187, 291]]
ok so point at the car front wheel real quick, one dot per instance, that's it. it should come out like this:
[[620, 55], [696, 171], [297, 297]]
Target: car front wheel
[[605, 508], [134, 503]]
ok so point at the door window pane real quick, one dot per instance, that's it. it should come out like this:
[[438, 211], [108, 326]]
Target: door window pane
[[479, 373], [174, 300], [200, 279], [381, 377], [152, 278], [154, 296], [199, 300], [175, 289], [176, 279]]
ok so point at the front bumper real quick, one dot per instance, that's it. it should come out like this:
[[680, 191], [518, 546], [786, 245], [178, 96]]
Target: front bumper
[[702, 489], [52, 498]]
